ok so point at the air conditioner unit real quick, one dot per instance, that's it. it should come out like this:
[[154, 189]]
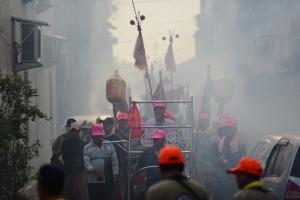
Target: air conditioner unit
[[26, 37]]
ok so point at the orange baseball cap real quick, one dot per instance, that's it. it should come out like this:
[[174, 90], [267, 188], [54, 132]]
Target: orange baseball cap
[[170, 155], [247, 165]]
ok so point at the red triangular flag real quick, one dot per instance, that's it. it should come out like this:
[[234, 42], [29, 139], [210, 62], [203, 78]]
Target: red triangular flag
[[139, 53]]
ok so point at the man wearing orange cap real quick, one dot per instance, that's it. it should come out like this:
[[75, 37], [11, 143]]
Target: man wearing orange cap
[[248, 172], [150, 157], [175, 185]]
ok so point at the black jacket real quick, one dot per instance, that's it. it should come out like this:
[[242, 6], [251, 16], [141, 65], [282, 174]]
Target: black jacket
[[148, 158], [72, 153]]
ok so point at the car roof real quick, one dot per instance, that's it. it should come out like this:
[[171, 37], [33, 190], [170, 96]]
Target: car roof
[[274, 138]]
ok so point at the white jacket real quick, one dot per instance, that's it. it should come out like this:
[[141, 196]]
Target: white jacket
[[94, 158]]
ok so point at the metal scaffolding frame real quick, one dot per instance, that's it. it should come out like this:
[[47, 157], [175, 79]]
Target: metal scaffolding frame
[[187, 126]]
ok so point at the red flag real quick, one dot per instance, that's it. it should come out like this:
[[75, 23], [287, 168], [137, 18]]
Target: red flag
[[134, 121], [139, 53], [169, 58]]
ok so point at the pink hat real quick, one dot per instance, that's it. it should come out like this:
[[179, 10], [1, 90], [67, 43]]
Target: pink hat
[[75, 125], [169, 115], [158, 134], [159, 104], [231, 122], [97, 130], [122, 116]]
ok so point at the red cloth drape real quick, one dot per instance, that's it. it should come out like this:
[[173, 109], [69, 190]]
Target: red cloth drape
[[134, 121]]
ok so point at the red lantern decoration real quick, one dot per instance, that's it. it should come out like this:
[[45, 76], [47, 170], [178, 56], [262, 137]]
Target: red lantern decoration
[[115, 89]]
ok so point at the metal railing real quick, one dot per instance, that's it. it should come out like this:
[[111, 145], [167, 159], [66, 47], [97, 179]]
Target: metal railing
[[189, 126]]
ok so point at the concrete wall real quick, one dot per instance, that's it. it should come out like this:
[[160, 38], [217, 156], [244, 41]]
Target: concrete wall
[[75, 83], [45, 82], [43, 79]]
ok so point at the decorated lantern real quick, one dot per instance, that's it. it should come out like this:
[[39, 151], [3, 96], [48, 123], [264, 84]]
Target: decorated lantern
[[223, 91], [115, 89]]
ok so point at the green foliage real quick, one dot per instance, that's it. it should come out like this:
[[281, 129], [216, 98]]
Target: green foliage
[[15, 152]]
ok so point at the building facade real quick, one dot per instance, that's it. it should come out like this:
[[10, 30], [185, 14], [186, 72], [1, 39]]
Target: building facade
[[76, 53]]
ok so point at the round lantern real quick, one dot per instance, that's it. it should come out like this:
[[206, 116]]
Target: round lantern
[[115, 89], [223, 90]]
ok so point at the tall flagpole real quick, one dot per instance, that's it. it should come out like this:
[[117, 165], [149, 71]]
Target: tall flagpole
[[138, 19], [171, 74]]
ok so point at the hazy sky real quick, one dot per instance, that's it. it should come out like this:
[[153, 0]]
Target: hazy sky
[[161, 16]]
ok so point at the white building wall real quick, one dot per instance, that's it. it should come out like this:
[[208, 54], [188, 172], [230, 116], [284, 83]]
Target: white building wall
[[43, 79], [44, 131]]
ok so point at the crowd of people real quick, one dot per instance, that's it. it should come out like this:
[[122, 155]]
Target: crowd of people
[[174, 184], [97, 167]]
